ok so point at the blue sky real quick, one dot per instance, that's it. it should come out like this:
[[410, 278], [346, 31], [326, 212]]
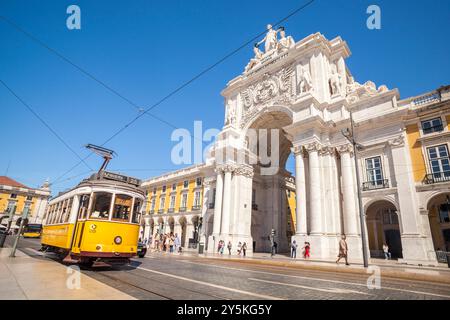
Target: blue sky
[[145, 49]]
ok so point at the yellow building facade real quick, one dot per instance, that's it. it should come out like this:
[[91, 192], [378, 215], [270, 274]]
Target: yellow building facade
[[16, 196]]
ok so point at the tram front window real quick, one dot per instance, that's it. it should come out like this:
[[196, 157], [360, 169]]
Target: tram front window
[[101, 205], [122, 207], [136, 211]]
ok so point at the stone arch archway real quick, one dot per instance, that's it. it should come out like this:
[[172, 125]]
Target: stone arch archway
[[171, 224], [270, 209], [438, 206], [383, 227]]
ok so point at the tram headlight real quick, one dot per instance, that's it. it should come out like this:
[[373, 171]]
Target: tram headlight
[[118, 240]]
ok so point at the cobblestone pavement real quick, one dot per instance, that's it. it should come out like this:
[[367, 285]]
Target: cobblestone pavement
[[172, 276]]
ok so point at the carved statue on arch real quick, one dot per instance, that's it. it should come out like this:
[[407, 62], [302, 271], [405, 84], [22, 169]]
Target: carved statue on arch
[[304, 80]]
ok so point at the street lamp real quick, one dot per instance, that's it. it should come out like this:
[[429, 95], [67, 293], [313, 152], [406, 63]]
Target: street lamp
[[351, 138]]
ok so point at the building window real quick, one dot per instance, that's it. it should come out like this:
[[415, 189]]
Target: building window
[[444, 213], [162, 202], [172, 202], [29, 198], [197, 199], [184, 200], [439, 162], [152, 205], [163, 189], [433, 125], [154, 190], [198, 182], [174, 187], [185, 184], [13, 196], [389, 216], [374, 174]]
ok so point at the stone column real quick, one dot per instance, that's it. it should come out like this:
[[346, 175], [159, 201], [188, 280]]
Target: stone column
[[315, 189], [300, 191], [147, 228], [225, 230], [218, 203], [348, 190]]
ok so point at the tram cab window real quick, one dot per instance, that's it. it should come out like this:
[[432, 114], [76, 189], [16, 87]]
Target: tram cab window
[[101, 205], [84, 205], [122, 207], [136, 211]]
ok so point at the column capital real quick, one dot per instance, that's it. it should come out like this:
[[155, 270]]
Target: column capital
[[244, 170], [313, 147], [345, 148], [208, 181], [398, 141], [226, 168], [326, 150], [299, 150]]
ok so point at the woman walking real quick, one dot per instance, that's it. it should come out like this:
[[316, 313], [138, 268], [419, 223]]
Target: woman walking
[[343, 249], [229, 248]]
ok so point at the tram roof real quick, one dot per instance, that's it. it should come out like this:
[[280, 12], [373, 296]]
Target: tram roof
[[106, 178]]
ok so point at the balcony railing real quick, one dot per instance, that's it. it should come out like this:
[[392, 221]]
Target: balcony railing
[[376, 184], [254, 206], [437, 177], [196, 208], [161, 211], [152, 211], [211, 205], [182, 209], [171, 210]]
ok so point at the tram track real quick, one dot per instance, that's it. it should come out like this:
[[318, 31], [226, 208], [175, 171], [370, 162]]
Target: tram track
[[103, 273]]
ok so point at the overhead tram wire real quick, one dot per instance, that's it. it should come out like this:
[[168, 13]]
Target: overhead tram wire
[[185, 84], [29, 108]]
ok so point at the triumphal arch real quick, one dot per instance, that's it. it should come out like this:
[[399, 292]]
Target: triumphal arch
[[294, 99]]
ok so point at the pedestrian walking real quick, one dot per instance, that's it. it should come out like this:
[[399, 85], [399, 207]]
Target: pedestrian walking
[[343, 250], [306, 250], [177, 243], [239, 248], [294, 249], [387, 254], [244, 248], [229, 245], [222, 246], [171, 243]]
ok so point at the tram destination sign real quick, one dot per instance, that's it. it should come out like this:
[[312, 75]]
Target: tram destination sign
[[120, 177]]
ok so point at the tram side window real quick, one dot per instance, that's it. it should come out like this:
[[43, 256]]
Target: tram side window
[[122, 207], [69, 209], [137, 211], [84, 204], [101, 205], [62, 217]]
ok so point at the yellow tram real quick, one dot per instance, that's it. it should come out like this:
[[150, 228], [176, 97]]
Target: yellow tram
[[98, 220]]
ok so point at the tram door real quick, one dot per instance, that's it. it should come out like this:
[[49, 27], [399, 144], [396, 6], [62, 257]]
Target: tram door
[[78, 237]]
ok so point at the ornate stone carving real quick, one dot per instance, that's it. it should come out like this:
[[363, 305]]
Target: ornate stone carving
[[313, 147], [246, 171], [345, 148], [335, 83], [272, 89], [398, 141], [254, 61], [285, 43], [326, 150], [231, 113], [299, 150], [356, 91], [304, 80]]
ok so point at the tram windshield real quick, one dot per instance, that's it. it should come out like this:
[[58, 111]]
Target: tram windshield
[[100, 205], [122, 207]]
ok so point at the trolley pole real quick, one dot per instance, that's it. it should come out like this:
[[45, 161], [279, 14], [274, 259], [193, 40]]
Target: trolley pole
[[350, 137], [16, 240]]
